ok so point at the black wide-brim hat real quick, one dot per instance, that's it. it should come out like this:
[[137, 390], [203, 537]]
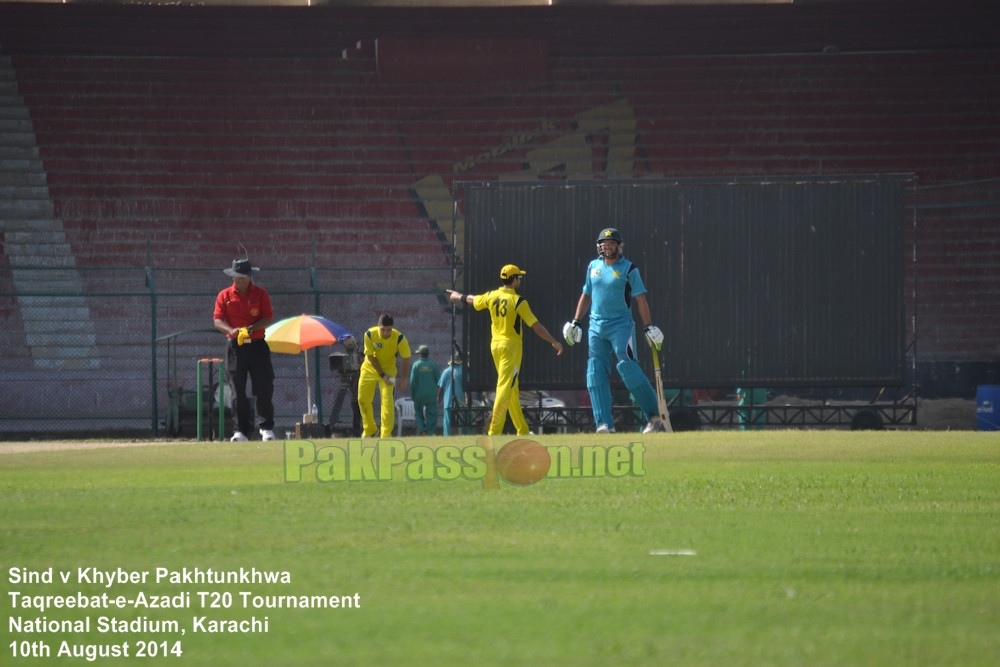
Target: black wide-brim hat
[[242, 268]]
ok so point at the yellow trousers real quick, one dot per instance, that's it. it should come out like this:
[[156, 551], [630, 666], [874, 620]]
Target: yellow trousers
[[367, 383], [507, 359]]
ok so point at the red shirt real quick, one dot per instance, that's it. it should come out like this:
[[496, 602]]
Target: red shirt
[[241, 310]]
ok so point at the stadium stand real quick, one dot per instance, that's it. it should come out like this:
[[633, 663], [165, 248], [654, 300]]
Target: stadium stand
[[147, 138]]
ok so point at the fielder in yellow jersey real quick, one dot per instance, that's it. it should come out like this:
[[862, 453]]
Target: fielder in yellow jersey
[[382, 344], [509, 314]]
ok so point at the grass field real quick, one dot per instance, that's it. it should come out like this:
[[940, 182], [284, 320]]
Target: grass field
[[722, 548]]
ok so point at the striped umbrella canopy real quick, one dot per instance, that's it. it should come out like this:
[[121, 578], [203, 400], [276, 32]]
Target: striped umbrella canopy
[[302, 333]]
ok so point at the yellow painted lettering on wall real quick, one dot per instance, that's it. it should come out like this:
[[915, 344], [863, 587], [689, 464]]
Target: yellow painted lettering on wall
[[602, 143]]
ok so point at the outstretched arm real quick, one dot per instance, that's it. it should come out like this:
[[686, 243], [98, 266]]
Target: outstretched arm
[[458, 297]]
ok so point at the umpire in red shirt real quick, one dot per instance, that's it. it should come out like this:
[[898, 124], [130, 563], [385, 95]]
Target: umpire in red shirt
[[242, 312]]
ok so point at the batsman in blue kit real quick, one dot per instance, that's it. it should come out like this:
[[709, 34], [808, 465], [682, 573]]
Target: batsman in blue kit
[[612, 283]]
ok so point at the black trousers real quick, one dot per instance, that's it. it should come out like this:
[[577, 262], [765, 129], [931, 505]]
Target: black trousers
[[251, 360]]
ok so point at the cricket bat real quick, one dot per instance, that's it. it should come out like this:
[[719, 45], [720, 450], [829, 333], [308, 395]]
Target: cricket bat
[[660, 399]]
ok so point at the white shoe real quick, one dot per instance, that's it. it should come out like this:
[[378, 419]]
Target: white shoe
[[266, 434], [238, 437], [604, 428], [654, 425]]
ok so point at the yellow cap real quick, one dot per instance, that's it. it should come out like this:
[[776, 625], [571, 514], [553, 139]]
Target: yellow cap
[[509, 271]]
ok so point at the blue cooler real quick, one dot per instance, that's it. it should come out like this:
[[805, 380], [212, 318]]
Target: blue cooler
[[988, 407]]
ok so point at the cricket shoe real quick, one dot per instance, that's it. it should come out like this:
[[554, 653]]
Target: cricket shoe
[[655, 424], [238, 437], [604, 428], [266, 434]]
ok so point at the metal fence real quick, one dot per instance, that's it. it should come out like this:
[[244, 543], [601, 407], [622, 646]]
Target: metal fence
[[115, 350], [773, 282]]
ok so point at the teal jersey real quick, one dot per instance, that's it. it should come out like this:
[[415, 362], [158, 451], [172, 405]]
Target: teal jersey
[[611, 288]]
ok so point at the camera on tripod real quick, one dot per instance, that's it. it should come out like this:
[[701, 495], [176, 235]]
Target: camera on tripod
[[347, 366], [346, 362]]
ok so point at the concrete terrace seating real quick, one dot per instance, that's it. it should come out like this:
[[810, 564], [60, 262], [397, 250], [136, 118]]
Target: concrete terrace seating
[[175, 151], [224, 148]]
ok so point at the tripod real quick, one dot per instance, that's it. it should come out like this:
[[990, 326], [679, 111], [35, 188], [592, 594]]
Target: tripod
[[348, 385]]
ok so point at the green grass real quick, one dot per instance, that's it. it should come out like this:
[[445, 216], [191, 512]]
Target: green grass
[[812, 547]]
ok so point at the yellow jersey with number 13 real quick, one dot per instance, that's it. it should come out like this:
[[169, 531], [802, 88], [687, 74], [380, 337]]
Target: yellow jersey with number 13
[[509, 313]]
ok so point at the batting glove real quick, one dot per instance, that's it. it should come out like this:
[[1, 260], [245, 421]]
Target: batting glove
[[572, 332], [243, 336], [654, 336]]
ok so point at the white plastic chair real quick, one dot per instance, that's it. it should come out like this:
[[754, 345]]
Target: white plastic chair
[[405, 413]]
